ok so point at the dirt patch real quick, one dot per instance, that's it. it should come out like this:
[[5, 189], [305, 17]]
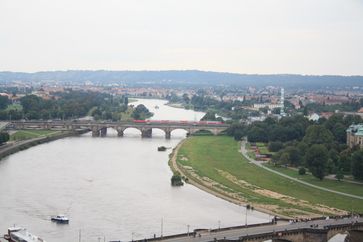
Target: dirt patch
[[286, 199], [183, 158]]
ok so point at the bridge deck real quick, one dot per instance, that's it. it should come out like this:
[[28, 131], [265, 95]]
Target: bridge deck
[[235, 234]]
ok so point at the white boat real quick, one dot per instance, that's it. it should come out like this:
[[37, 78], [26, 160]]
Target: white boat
[[18, 234], [60, 219]]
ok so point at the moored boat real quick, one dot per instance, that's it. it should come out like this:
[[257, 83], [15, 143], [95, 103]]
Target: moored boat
[[18, 234]]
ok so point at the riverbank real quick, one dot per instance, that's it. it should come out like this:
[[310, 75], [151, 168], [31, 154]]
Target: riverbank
[[208, 187], [14, 147], [216, 165]]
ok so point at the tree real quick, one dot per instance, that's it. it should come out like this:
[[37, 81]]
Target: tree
[[276, 111], [141, 112], [339, 176], [186, 98], [339, 132], [357, 164], [264, 110], [4, 137], [176, 180], [275, 146], [316, 158], [4, 102], [302, 171], [294, 155], [345, 160], [318, 134], [209, 116], [284, 158], [256, 134], [237, 131]]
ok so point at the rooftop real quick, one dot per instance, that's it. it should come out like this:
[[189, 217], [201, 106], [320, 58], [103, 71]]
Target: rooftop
[[356, 129]]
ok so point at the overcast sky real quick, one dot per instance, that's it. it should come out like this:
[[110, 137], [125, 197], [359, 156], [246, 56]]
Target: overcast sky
[[244, 36]]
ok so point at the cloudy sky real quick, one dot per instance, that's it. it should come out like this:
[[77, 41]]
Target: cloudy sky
[[244, 36]]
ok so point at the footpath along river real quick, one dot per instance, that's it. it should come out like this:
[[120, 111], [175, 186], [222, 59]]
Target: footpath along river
[[110, 187]]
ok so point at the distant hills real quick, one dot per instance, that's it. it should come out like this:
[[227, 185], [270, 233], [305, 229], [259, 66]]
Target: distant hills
[[192, 78]]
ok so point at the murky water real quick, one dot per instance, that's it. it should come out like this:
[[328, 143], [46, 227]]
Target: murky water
[[110, 187]]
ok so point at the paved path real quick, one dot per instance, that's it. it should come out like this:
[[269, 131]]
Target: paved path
[[260, 164], [235, 234]]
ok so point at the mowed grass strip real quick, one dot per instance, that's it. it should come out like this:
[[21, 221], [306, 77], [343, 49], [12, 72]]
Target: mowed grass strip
[[31, 134], [341, 186], [207, 155]]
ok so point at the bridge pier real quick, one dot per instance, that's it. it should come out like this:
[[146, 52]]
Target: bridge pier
[[167, 134], [120, 131], [146, 133], [95, 132], [103, 132]]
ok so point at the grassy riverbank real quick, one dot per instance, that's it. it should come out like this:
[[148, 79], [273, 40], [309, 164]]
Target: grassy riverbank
[[31, 134], [341, 186], [216, 163]]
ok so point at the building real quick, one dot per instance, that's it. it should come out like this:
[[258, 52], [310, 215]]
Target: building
[[355, 135]]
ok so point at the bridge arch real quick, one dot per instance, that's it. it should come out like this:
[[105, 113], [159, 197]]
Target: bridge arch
[[350, 232], [214, 131], [178, 130]]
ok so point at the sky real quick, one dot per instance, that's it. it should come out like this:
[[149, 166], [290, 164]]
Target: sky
[[314, 37]]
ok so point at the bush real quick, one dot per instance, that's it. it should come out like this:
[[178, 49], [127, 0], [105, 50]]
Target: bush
[[176, 180], [302, 171]]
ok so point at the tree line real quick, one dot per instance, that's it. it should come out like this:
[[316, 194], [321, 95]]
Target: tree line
[[318, 146], [70, 105]]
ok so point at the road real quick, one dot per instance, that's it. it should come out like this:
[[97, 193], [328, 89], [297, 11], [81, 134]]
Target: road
[[234, 234], [260, 164]]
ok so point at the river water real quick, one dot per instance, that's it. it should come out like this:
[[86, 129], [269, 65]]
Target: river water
[[112, 188]]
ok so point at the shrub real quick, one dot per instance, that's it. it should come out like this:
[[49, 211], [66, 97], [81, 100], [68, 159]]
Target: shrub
[[302, 171]]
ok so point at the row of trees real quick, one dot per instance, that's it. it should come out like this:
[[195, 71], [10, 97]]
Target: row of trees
[[320, 147], [64, 105]]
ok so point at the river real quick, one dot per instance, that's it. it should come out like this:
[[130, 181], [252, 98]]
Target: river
[[111, 188]]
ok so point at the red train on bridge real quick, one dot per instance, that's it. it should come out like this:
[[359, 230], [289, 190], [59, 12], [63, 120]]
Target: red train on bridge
[[148, 121]]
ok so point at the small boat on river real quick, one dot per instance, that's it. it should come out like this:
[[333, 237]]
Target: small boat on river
[[162, 148], [60, 219], [18, 234]]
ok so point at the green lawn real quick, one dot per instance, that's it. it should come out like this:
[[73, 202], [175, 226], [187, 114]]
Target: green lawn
[[341, 186], [30, 134], [207, 155]]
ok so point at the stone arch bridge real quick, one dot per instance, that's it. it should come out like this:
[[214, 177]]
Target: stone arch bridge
[[99, 128]]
